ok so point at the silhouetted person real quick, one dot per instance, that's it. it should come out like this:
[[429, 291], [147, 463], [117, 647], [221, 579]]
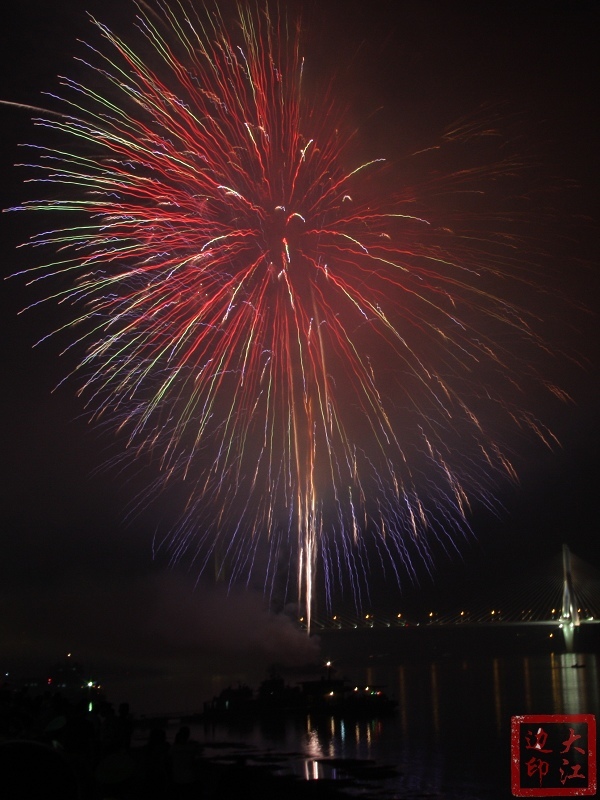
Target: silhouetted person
[[185, 765], [123, 729], [156, 766]]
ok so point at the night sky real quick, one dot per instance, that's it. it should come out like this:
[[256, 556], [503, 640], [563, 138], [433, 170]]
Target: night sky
[[74, 574]]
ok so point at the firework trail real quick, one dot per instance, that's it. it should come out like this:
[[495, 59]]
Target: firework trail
[[315, 364]]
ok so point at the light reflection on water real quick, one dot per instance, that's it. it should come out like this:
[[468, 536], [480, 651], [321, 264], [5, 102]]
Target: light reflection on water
[[451, 734]]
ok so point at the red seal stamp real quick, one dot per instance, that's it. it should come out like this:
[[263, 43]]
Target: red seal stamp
[[553, 754]]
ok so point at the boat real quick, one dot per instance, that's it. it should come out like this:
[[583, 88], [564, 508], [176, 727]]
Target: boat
[[326, 696]]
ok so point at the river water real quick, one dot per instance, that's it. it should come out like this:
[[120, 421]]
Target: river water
[[450, 737]]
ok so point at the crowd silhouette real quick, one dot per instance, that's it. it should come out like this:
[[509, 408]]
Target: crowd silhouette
[[53, 746]]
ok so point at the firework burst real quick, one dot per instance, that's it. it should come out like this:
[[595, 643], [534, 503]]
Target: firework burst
[[324, 369]]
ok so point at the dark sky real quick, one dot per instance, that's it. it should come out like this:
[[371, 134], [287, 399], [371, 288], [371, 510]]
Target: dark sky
[[73, 575]]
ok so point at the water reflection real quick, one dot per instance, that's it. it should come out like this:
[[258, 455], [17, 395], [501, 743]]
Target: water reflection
[[575, 683], [447, 705], [499, 716], [312, 747], [451, 734], [336, 739], [402, 704], [527, 684], [435, 699]]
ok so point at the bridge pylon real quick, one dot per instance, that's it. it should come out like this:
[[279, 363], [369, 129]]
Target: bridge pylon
[[569, 613]]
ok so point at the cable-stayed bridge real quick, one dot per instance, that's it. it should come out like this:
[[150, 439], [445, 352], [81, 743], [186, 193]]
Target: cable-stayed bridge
[[561, 594]]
